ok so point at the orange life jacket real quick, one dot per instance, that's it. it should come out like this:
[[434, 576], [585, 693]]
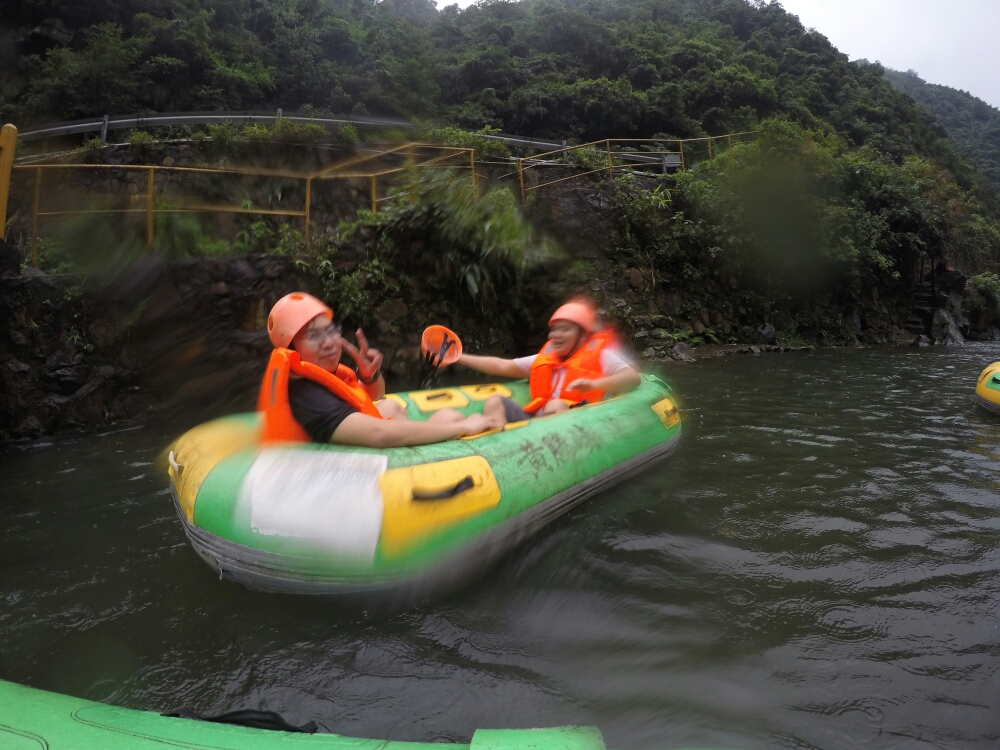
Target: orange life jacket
[[279, 423], [585, 362]]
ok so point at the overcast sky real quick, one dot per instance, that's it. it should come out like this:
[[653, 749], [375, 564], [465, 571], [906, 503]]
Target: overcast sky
[[953, 43]]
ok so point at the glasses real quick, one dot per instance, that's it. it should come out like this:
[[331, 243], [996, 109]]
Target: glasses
[[316, 337]]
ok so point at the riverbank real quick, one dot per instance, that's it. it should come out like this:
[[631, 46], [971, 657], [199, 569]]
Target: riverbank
[[191, 335]]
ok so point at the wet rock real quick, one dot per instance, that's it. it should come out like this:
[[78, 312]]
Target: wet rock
[[662, 321], [649, 353], [10, 260], [921, 340], [642, 322], [32, 272], [101, 334], [30, 426], [746, 334], [16, 365], [241, 269], [618, 303], [755, 350], [682, 352], [698, 327], [635, 279], [641, 337], [658, 334], [391, 311], [944, 330], [766, 334]]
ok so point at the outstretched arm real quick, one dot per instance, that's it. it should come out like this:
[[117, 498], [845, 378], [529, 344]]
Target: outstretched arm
[[621, 381], [504, 368], [371, 432]]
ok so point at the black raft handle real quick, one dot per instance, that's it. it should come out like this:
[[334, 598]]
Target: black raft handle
[[466, 484]]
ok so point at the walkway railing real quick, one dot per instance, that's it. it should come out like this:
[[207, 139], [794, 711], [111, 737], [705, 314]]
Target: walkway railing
[[623, 154], [413, 155]]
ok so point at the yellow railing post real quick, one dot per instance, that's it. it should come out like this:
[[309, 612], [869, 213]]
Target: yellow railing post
[[710, 147], [34, 218], [680, 145], [611, 171], [472, 166], [520, 177], [374, 194], [729, 142], [8, 144], [149, 208], [309, 183]]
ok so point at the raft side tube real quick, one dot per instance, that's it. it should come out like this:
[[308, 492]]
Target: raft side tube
[[277, 573]]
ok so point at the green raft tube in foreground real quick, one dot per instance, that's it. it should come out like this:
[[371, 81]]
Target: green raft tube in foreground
[[401, 523], [37, 720]]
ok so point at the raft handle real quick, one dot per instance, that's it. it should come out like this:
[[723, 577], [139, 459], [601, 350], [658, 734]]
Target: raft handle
[[465, 484], [172, 460], [443, 394]]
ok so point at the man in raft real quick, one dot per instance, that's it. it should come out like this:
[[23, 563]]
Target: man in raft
[[579, 364], [307, 394]]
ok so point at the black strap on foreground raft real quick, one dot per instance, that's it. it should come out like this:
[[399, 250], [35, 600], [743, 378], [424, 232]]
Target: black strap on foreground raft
[[466, 484], [246, 717]]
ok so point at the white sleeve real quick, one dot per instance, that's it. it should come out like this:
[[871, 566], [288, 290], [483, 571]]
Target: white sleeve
[[613, 362], [525, 363]]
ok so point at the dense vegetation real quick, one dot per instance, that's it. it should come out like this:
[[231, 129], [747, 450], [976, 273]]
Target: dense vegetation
[[562, 68], [849, 188], [973, 125]]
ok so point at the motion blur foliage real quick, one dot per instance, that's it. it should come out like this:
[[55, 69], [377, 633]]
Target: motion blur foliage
[[436, 236], [796, 214]]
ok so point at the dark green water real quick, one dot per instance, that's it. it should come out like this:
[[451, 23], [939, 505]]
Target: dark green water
[[817, 566]]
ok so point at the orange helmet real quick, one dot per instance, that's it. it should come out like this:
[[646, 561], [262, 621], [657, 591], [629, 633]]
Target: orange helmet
[[290, 314], [576, 311]]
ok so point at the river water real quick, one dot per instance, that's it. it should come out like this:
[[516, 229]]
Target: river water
[[817, 566]]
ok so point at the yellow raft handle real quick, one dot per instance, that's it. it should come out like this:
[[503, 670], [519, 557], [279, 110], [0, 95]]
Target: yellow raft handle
[[465, 484], [172, 460]]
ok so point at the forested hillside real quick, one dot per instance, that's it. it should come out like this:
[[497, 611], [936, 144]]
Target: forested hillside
[[973, 125], [848, 194], [561, 68]]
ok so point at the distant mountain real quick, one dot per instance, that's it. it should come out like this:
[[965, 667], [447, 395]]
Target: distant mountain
[[973, 125]]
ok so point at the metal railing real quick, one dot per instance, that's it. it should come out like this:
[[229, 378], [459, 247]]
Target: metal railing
[[622, 156], [443, 156], [8, 144], [107, 123]]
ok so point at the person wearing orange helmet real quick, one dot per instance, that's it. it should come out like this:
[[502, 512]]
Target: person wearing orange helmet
[[307, 394], [578, 364]]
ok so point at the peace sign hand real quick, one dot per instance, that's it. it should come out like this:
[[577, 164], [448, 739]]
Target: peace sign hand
[[369, 360]]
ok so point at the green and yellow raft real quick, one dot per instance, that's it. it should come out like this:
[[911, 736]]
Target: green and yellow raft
[[38, 720], [401, 523], [988, 388]]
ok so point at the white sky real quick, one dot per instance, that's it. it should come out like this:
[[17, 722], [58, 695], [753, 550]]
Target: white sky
[[953, 43]]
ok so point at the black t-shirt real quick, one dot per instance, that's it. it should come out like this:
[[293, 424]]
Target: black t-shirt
[[316, 409]]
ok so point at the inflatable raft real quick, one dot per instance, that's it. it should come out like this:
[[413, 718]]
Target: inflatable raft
[[38, 720], [988, 388], [310, 518]]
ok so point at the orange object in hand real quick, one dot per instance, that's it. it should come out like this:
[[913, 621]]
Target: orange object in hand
[[440, 346]]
